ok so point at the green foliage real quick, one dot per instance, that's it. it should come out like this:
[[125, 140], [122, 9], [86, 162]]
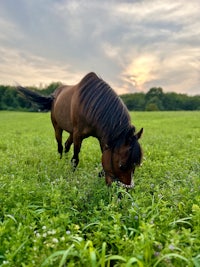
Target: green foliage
[[134, 101], [155, 99], [51, 216]]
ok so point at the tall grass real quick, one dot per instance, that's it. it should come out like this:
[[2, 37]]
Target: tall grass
[[51, 216]]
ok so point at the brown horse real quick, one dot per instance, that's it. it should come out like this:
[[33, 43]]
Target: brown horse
[[92, 108]]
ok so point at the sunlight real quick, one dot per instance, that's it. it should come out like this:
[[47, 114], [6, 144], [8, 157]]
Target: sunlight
[[140, 71]]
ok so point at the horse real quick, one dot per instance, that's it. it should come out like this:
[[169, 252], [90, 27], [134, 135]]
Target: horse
[[92, 108]]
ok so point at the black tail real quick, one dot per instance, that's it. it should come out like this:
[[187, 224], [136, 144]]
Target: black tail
[[43, 102]]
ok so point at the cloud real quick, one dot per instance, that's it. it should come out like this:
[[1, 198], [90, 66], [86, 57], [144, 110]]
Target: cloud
[[27, 69], [165, 45], [133, 45], [141, 70], [178, 70]]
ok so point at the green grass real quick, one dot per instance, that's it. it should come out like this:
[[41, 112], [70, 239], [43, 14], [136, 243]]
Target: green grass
[[50, 216]]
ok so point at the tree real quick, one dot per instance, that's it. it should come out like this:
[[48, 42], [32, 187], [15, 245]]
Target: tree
[[154, 99], [134, 101]]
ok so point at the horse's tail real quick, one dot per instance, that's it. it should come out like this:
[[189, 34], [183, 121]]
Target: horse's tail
[[43, 102]]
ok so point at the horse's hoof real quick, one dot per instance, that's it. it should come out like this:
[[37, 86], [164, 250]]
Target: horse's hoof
[[101, 174], [74, 164]]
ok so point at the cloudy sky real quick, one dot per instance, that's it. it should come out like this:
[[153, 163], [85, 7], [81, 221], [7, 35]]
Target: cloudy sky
[[133, 45]]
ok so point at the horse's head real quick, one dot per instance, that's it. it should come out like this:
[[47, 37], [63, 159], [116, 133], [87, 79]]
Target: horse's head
[[120, 161]]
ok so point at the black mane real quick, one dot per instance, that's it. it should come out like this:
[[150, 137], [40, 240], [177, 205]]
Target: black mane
[[104, 109]]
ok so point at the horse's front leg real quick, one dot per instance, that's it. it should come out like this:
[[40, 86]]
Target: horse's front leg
[[77, 140]]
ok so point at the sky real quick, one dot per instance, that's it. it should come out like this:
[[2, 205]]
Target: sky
[[132, 45]]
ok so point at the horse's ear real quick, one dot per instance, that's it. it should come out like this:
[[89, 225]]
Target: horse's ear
[[130, 132], [139, 134]]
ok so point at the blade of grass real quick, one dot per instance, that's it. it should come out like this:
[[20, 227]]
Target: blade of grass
[[169, 256]]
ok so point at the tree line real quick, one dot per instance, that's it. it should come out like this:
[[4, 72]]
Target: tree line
[[154, 100]]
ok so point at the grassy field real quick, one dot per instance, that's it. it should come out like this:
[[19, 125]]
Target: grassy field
[[50, 216]]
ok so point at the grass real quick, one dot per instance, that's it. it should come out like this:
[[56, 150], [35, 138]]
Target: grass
[[50, 216]]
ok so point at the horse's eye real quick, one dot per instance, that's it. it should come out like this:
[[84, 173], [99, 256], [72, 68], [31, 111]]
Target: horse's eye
[[123, 167]]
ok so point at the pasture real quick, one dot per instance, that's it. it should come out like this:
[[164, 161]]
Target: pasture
[[51, 216]]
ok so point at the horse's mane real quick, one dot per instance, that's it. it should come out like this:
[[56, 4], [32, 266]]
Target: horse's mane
[[104, 110]]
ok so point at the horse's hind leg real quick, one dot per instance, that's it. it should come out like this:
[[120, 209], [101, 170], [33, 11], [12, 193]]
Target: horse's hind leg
[[77, 147], [58, 135], [68, 143]]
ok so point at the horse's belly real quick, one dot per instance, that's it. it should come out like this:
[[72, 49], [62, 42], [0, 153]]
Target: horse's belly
[[62, 117]]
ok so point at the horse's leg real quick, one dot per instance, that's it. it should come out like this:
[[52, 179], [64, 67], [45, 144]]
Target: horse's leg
[[58, 135], [68, 143], [77, 140], [102, 172]]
